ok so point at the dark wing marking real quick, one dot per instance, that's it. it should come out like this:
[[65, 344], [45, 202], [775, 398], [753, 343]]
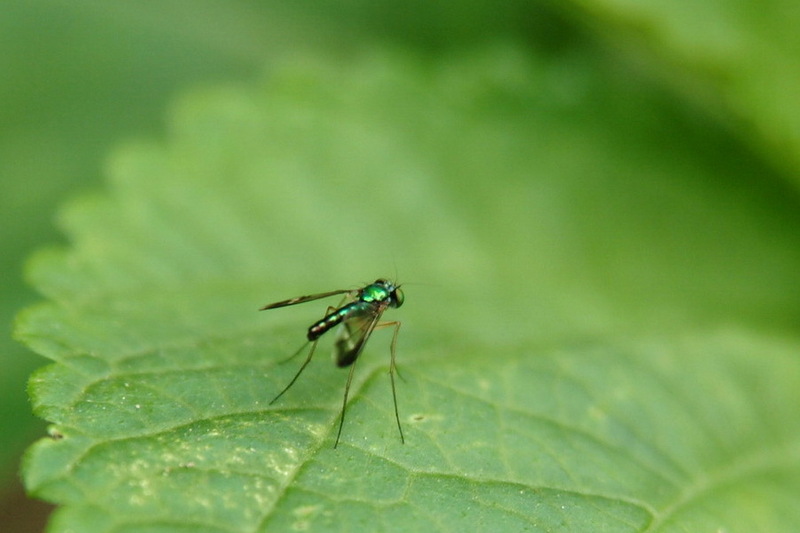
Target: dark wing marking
[[303, 299], [348, 349]]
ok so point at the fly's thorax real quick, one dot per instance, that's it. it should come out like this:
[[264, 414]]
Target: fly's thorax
[[375, 292], [382, 291]]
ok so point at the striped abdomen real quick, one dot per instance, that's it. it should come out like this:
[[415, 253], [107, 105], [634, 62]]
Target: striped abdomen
[[337, 317]]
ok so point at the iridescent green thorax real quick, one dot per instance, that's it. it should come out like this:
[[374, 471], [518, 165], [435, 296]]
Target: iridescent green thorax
[[382, 291], [374, 293]]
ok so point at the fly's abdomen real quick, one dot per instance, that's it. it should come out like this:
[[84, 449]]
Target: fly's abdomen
[[334, 319]]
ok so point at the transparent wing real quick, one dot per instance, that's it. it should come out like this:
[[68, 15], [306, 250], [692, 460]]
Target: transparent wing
[[303, 299], [353, 337]]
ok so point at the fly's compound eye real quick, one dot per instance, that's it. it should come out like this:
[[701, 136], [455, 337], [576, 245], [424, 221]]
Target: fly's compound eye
[[397, 296]]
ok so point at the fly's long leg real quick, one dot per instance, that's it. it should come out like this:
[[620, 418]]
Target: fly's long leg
[[392, 372], [355, 352], [295, 354], [305, 363], [302, 367], [344, 403], [393, 367], [373, 325]]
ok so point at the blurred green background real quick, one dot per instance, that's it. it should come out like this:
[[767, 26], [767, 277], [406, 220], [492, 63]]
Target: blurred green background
[[79, 77]]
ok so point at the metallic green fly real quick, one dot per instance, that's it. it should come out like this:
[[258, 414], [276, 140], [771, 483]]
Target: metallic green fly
[[358, 318]]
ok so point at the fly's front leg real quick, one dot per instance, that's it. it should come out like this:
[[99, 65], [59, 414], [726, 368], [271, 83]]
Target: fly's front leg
[[393, 370], [393, 363]]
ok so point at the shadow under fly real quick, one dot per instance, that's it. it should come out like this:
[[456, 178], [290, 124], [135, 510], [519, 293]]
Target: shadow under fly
[[359, 314]]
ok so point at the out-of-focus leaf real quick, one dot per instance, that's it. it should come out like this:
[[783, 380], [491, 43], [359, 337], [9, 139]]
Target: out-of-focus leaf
[[739, 59]]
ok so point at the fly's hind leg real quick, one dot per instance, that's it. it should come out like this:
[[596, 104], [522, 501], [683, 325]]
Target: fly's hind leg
[[302, 367], [305, 363], [344, 403]]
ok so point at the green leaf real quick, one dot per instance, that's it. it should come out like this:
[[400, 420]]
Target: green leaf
[[597, 334]]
